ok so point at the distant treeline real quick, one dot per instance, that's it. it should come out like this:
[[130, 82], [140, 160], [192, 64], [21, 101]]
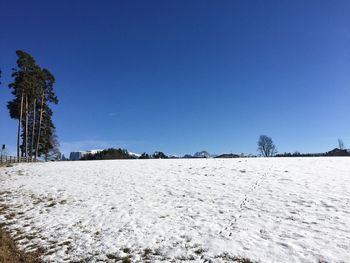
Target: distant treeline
[[334, 152], [156, 155], [108, 154], [298, 154], [112, 153]]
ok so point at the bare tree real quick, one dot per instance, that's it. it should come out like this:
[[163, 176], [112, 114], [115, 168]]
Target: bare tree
[[266, 146], [341, 144]]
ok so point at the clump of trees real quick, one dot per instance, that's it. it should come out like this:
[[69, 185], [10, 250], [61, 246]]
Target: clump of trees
[[298, 154], [112, 153], [155, 155], [159, 155], [33, 93], [145, 156], [108, 154], [266, 147]]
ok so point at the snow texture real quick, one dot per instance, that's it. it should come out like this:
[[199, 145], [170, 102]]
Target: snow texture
[[196, 210]]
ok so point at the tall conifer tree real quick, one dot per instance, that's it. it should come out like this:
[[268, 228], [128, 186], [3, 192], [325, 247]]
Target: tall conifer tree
[[33, 91], [20, 89]]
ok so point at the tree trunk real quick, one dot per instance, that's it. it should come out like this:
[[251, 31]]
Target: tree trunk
[[40, 122], [19, 129], [33, 132], [26, 134]]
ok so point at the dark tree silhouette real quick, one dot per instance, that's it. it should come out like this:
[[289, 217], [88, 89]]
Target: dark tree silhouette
[[23, 84], [47, 94], [108, 154], [266, 146], [144, 156], [159, 155], [32, 89]]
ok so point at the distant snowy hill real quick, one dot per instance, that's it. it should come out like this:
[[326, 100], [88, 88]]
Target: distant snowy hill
[[74, 156], [202, 154], [93, 151], [136, 155]]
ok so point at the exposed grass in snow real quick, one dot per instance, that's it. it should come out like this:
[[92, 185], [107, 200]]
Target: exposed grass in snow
[[241, 210], [9, 251], [2, 165]]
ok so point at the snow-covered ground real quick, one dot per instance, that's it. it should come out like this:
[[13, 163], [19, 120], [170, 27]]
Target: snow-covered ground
[[196, 210]]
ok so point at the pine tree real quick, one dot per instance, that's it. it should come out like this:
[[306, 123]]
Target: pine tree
[[23, 82], [48, 137], [47, 95], [33, 91]]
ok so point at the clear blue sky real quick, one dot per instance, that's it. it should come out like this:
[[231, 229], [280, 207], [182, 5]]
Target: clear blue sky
[[183, 76]]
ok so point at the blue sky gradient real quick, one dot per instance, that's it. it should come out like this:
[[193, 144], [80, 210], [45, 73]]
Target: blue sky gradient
[[183, 76]]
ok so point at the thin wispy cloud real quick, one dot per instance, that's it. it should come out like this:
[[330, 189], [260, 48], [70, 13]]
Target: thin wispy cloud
[[112, 114]]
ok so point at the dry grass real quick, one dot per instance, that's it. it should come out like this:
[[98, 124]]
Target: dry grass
[[6, 165], [9, 252], [229, 258]]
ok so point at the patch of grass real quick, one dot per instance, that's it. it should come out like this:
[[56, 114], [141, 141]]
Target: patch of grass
[[126, 250], [62, 202], [185, 258], [21, 236], [199, 251], [236, 259], [6, 165], [10, 216], [157, 252], [65, 243], [51, 204], [125, 259], [9, 252], [243, 260], [3, 207], [147, 252], [111, 256]]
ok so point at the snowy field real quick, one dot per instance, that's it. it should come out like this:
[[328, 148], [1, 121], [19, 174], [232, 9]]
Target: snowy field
[[205, 210]]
